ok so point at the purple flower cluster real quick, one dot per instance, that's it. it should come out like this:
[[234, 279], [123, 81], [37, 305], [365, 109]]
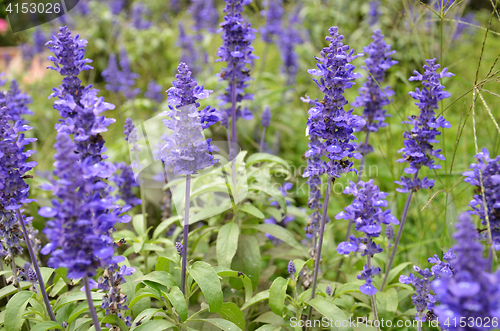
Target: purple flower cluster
[[120, 81], [36, 47], [291, 268], [371, 97], [423, 299], [373, 12], [205, 16], [138, 14], [418, 150], [114, 301], [16, 103], [471, 292], [367, 214], [80, 219], [116, 6], [288, 39], [274, 15], [154, 91], [486, 170], [14, 191], [69, 61], [125, 181], [266, 117], [186, 149], [236, 51], [189, 55]]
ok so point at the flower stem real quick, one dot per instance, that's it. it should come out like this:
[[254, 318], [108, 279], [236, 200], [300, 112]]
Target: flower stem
[[185, 234], [398, 237], [320, 241], [262, 138], [35, 266], [233, 112], [90, 303], [372, 297]]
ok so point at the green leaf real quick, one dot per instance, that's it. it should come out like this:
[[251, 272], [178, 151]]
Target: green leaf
[[261, 296], [227, 243], [83, 308], [247, 283], [231, 312], [11, 289], [48, 325], [162, 264], [208, 281], [139, 224], [144, 293], [263, 157], [277, 295], [277, 232], [395, 271], [46, 273], [247, 260], [145, 316], [160, 277], [114, 320], [222, 324], [155, 325], [15, 310], [79, 296], [387, 303], [178, 300], [269, 327], [164, 225], [252, 210], [272, 191], [330, 310], [349, 287]]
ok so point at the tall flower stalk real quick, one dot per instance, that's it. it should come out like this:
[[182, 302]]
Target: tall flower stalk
[[367, 214], [265, 121], [237, 36], [419, 150], [14, 192], [186, 149], [372, 97], [331, 130]]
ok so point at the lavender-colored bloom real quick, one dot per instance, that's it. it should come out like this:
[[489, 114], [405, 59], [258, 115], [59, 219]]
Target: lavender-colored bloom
[[154, 91], [114, 301], [462, 28], [389, 233], [16, 103], [69, 61], [80, 219], [83, 8], [125, 181], [291, 268], [367, 214], [488, 170], [37, 45], [287, 41], [186, 149], [188, 53], [128, 76], [112, 75], [237, 36], [138, 14], [371, 97], [129, 126], [274, 15], [471, 292], [373, 13], [266, 117], [329, 290], [423, 299], [205, 16], [116, 6], [418, 150], [14, 191], [179, 247]]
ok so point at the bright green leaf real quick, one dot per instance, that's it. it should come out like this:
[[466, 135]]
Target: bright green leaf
[[261, 296], [208, 281], [271, 191], [222, 324], [396, 270], [160, 277], [231, 312], [139, 224], [78, 296], [277, 295], [247, 283], [278, 232], [177, 299], [114, 320], [252, 210], [263, 157], [247, 260], [227, 243], [154, 325], [329, 310], [48, 325], [15, 310]]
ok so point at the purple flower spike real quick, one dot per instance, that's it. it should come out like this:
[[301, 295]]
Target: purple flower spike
[[16, 103], [274, 15], [329, 290], [418, 150], [291, 267], [120, 80], [266, 117], [205, 16], [114, 301], [471, 292], [186, 149], [237, 36], [154, 92], [371, 97], [69, 61], [367, 214], [179, 247], [487, 169]]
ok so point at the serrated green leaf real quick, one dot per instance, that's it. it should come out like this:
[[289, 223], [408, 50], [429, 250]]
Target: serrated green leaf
[[247, 283], [261, 296], [15, 310], [208, 281], [231, 312], [252, 210], [247, 260], [227, 243], [178, 300], [47, 325], [154, 325], [277, 295], [222, 324], [331, 311], [264, 157]]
